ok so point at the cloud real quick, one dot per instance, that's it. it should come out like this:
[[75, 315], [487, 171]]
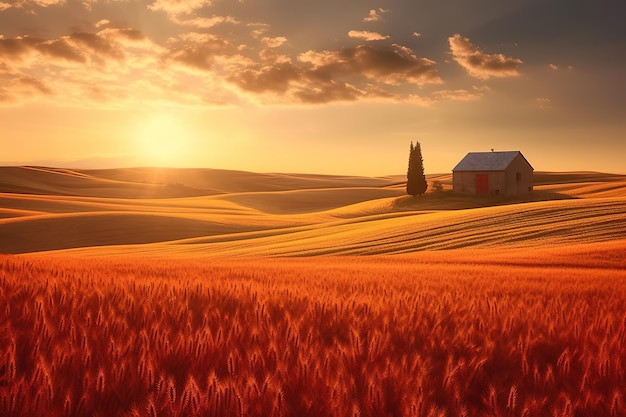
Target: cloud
[[553, 67], [481, 89], [15, 87], [366, 35], [46, 3], [115, 66], [375, 15], [203, 22], [176, 7], [344, 75], [479, 64], [260, 29], [183, 12], [393, 65], [333, 91], [274, 42], [417, 34], [270, 52], [77, 48], [80, 66], [543, 103], [271, 78], [198, 50], [31, 82], [23, 4], [20, 48], [124, 34], [97, 44], [457, 95]]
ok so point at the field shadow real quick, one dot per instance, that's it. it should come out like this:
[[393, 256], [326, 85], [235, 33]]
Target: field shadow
[[448, 200]]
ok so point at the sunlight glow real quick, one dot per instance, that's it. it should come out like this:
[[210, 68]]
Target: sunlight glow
[[162, 140]]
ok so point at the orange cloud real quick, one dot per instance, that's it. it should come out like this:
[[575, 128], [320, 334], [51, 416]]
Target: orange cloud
[[29, 3], [274, 42], [366, 35], [375, 15], [94, 65], [46, 3], [457, 95], [479, 64], [203, 22], [261, 28], [175, 7], [118, 66]]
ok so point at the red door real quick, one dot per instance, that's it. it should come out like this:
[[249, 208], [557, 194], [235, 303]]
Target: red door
[[482, 184]]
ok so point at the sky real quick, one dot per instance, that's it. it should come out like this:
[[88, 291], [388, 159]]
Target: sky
[[328, 87]]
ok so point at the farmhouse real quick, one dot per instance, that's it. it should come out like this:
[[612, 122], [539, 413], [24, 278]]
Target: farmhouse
[[495, 173]]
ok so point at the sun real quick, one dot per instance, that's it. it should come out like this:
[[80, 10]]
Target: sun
[[162, 140]]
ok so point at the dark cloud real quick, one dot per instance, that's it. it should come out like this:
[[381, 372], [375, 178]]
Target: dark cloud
[[198, 51], [348, 74], [330, 92], [29, 3], [479, 64], [393, 65], [15, 87], [15, 48], [97, 44], [275, 78], [80, 60], [122, 34], [77, 47], [19, 48], [60, 49], [33, 83]]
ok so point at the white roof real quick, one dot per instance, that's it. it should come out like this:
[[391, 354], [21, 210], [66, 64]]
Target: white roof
[[487, 161]]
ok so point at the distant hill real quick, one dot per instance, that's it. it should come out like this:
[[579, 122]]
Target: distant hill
[[166, 182], [206, 212]]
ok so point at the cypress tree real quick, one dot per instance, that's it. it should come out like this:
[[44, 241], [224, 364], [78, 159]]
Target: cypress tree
[[415, 179]]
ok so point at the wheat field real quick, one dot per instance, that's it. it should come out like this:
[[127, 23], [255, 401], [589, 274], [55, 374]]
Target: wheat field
[[366, 336]]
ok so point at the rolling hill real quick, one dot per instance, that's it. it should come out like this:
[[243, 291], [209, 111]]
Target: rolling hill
[[204, 212]]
